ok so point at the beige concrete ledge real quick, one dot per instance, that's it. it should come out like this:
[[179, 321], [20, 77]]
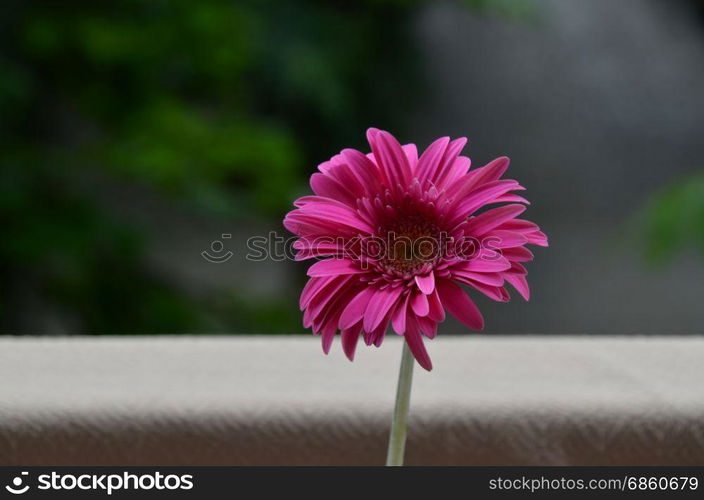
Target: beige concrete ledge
[[278, 400]]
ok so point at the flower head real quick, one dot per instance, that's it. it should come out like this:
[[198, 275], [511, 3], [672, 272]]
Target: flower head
[[398, 234]]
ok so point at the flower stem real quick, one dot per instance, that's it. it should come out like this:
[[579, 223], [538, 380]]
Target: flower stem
[[399, 424]]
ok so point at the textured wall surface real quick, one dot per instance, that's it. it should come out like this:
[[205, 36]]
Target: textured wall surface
[[279, 400]]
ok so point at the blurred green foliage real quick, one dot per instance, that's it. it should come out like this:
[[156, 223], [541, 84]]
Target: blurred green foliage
[[674, 219], [222, 107]]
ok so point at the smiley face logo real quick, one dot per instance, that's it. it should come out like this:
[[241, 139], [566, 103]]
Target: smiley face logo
[[218, 254], [16, 487]]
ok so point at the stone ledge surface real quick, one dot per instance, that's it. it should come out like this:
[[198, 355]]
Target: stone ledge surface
[[522, 400]]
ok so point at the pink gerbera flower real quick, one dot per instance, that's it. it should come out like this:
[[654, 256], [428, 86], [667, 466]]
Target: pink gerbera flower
[[398, 234]]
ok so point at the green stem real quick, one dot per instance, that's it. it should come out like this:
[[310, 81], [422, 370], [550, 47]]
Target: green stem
[[399, 424]]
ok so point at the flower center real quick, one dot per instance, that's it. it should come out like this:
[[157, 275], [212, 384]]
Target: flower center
[[412, 245]]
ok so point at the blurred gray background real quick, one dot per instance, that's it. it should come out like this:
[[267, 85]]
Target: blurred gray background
[[599, 105]]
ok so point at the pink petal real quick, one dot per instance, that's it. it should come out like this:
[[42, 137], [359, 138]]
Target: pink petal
[[426, 283], [415, 344], [457, 170], [493, 292], [324, 185], [326, 210], [430, 159], [485, 222], [325, 221], [420, 305], [412, 154], [511, 198], [354, 311], [377, 336], [436, 311], [372, 134], [505, 239], [520, 283], [331, 267], [537, 238], [366, 172], [350, 337], [448, 159], [491, 279], [328, 334], [517, 268], [483, 195], [345, 176], [328, 293], [313, 286], [393, 159], [380, 304], [458, 303], [308, 320], [328, 317], [492, 171], [428, 327], [519, 225], [480, 265], [398, 318], [518, 254]]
